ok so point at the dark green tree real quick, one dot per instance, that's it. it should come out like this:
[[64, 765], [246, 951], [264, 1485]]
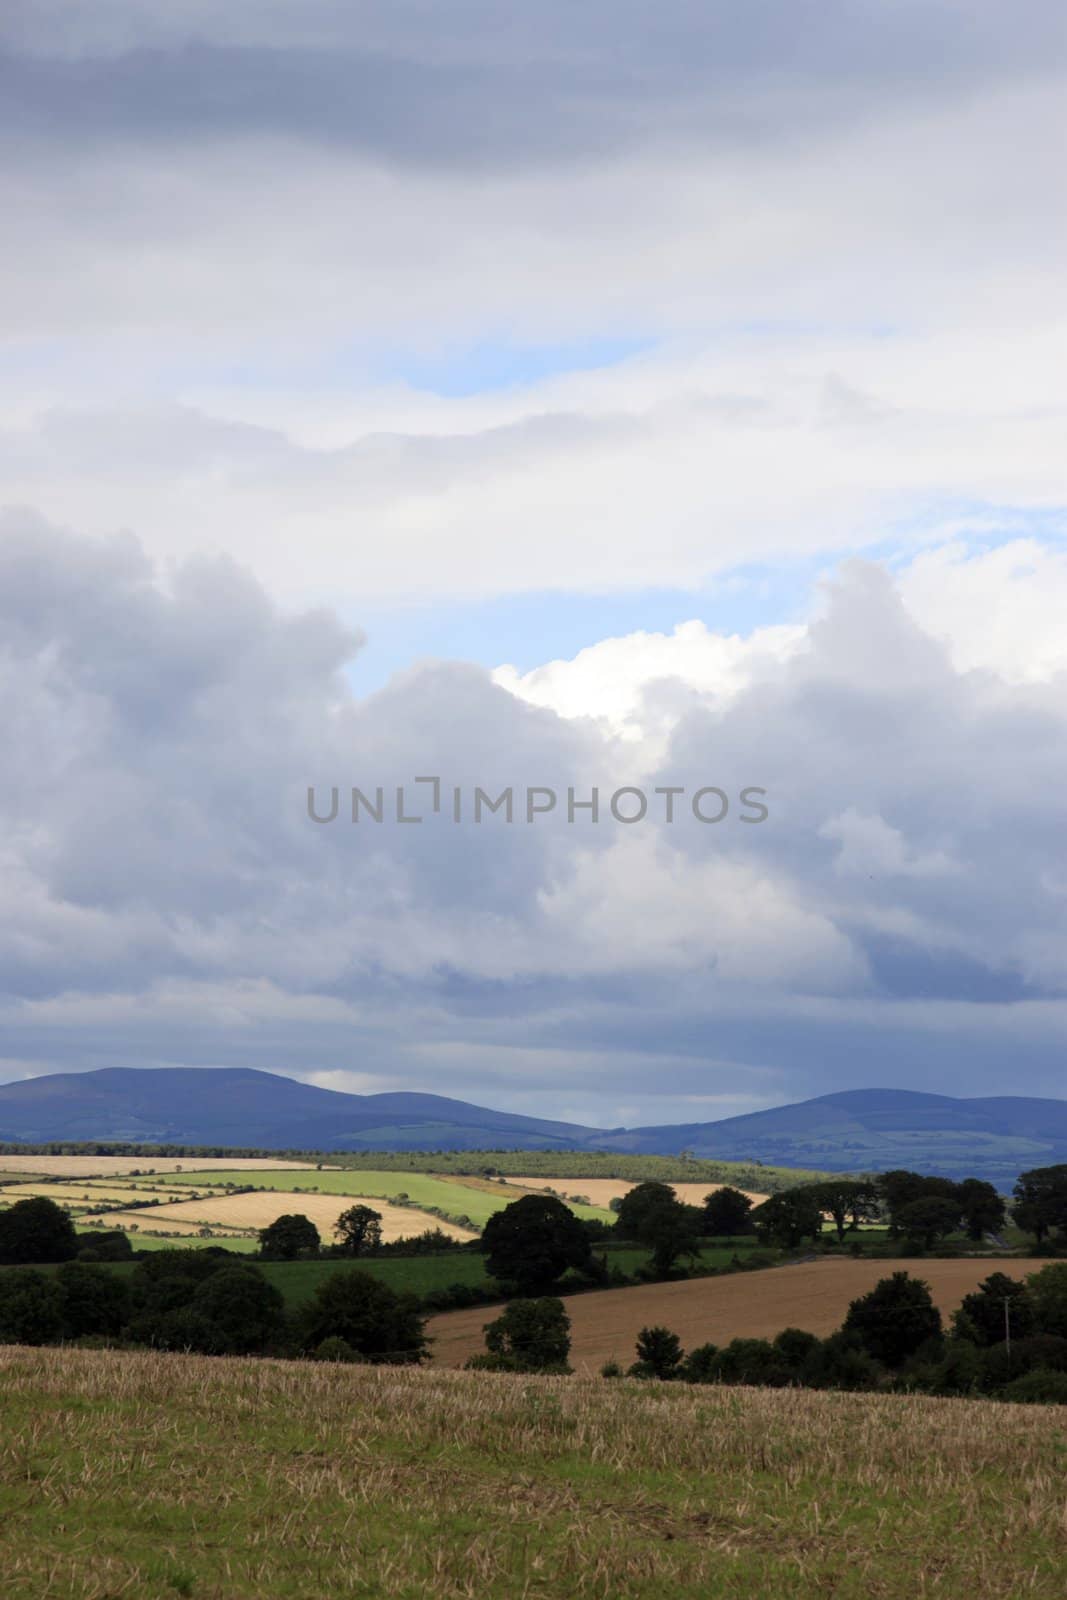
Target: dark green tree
[[981, 1317], [532, 1242], [928, 1219], [659, 1354], [530, 1336], [786, 1219], [849, 1201], [726, 1213], [1048, 1292], [368, 1315], [37, 1231], [31, 1307], [899, 1188], [894, 1319], [643, 1197], [288, 1237], [982, 1207], [1041, 1201], [359, 1231], [242, 1312], [95, 1301], [669, 1229]]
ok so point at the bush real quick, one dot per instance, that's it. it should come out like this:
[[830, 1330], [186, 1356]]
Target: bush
[[753, 1361], [839, 1362], [793, 1346], [111, 1246], [337, 1350], [700, 1364], [1002, 1366], [611, 1369], [95, 1301], [1048, 1292], [1041, 1386]]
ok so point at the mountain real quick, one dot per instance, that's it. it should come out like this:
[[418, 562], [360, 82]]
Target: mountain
[[874, 1130], [260, 1110], [854, 1131]]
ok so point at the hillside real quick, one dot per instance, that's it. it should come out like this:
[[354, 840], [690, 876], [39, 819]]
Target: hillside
[[148, 1475], [857, 1130]]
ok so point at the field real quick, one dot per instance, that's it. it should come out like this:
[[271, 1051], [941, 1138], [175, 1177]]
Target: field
[[152, 1476], [812, 1295], [258, 1210], [90, 1194], [116, 1166], [477, 1199], [601, 1191]]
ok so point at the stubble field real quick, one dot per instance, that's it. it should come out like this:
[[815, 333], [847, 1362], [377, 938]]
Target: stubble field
[[148, 1476]]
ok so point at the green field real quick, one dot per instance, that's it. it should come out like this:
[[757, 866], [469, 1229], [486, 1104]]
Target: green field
[[421, 1188], [147, 1476]]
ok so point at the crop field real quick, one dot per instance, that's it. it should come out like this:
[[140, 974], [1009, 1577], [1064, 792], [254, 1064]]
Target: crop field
[[601, 1191], [234, 1242], [259, 1209], [812, 1295], [89, 1194], [477, 1200], [145, 1475], [118, 1166]]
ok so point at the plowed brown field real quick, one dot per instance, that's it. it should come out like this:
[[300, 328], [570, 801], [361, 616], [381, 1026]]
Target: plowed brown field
[[745, 1305]]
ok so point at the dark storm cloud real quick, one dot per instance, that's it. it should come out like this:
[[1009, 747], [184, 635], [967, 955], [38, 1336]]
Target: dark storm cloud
[[469, 86]]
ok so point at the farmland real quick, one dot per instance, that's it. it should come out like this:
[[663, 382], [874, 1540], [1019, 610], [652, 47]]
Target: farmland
[[146, 1475], [89, 1166], [259, 1210], [812, 1295], [602, 1191]]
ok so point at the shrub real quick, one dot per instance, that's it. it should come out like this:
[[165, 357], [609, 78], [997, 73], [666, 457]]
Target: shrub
[[374, 1319], [95, 1301], [337, 1350], [793, 1346], [1041, 1386], [31, 1307], [611, 1369]]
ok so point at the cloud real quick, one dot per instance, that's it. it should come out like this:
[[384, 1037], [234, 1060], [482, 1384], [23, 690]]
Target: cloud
[[167, 897]]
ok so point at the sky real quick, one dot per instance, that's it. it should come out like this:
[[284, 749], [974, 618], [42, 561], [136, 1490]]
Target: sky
[[571, 397]]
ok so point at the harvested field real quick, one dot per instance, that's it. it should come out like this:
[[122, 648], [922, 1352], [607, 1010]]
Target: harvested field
[[745, 1305], [601, 1191], [146, 1475], [147, 1219], [114, 1166], [259, 1209], [91, 1194]]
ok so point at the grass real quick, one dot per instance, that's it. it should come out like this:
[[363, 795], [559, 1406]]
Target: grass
[[478, 1202], [150, 1476]]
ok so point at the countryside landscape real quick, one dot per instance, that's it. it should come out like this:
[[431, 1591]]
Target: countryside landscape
[[371, 1344]]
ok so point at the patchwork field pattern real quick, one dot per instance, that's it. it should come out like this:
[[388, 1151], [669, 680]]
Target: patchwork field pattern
[[813, 1295], [116, 1166], [260, 1209], [145, 1475], [601, 1191]]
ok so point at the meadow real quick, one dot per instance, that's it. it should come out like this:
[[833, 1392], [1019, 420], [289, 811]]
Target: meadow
[[151, 1476]]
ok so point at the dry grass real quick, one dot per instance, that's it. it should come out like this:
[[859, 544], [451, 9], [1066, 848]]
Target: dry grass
[[259, 1209], [147, 1476], [746, 1305], [115, 1166], [601, 1191]]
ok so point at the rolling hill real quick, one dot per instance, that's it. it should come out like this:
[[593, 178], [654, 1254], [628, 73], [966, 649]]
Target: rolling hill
[[856, 1130]]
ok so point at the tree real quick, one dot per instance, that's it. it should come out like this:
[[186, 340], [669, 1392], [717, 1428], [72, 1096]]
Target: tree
[[1048, 1291], [899, 1188], [639, 1200], [95, 1301], [982, 1207], [846, 1200], [110, 1246], [928, 1219], [894, 1319], [241, 1310], [31, 1307], [789, 1217], [659, 1354], [288, 1237], [726, 1213], [529, 1336], [669, 1229], [981, 1316], [368, 1315], [36, 1231], [532, 1242], [1041, 1201], [359, 1231]]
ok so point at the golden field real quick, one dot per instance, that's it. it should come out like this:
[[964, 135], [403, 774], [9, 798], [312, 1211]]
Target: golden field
[[260, 1208], [813, 1295], [601, 1191]]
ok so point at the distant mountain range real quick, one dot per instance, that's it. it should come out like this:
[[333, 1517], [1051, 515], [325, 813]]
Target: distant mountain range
[[858, 1130]]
